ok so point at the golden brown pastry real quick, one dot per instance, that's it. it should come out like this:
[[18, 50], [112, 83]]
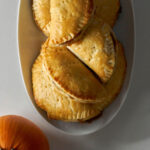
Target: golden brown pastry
[[108, 10], [96, 49], [41, 12], [57, 105], [77, 82], [115, 84], [61, 107], [71, 76], [68, 19]]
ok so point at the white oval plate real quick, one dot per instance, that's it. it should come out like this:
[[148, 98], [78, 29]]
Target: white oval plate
[[30, 39]]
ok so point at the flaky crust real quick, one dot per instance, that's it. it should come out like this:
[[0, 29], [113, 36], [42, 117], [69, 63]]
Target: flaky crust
[[108, 10], [57, 105], [41, 13], [61, 107], [71, 75], [68, 19], [96, 49]]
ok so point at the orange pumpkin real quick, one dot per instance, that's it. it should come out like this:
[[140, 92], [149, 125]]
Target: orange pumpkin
[[19, 133]]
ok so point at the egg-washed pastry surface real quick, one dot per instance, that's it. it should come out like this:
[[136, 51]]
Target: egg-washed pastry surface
[[68, 19], [108, 10], [57, 105], [71, 75], [41, 13], [62, 107], [96, 49]]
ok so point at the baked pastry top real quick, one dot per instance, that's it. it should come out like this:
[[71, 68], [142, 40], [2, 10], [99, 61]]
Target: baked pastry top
[[62, 107], [57, 105], [71, 75], [41, 12], [68, 19], [96, 49], [108, 10]]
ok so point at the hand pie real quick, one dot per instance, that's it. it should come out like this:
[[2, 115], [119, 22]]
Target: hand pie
[[68, 19], [108, 10], [71, 75], [57, 105], [41, 11], [96, 49], [62, 107], [105, 9]]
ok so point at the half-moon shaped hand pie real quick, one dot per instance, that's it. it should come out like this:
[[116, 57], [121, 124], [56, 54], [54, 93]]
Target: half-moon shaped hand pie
[[71, 75], [57, 105], [96, 49], [41, 12], [105, 9], [68, 19], [108, 10], [62, 107]]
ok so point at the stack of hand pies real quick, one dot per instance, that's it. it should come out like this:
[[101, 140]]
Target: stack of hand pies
[[81, 66]]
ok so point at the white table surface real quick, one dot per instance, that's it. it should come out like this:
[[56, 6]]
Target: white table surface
[[130, 130]]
